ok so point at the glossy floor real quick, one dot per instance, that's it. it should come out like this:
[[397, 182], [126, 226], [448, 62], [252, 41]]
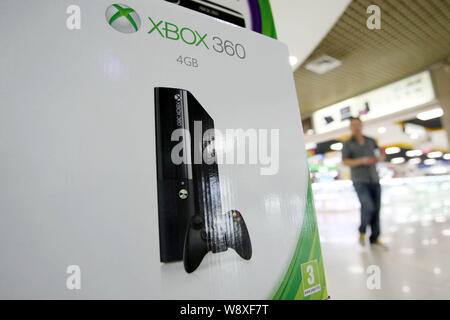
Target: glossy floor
[[416, 264]]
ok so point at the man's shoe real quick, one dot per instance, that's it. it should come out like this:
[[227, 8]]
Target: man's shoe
[[362, 239], [378, 244]]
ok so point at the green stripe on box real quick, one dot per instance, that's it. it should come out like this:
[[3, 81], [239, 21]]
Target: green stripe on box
[[268, 25], [308, 249]]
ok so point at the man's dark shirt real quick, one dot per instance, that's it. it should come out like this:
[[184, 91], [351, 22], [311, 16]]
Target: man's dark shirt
[[353, 150]]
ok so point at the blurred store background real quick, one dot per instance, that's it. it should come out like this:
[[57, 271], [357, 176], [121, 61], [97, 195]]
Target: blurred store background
[[397, 80]]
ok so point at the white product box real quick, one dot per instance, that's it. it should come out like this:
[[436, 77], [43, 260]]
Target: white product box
[[78, 174]]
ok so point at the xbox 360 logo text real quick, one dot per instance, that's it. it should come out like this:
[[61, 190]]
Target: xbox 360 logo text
[[123, 18], [126, 20], [171, 31]]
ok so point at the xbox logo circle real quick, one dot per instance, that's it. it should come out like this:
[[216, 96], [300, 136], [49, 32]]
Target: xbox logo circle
[[123, 18], [183, 194]]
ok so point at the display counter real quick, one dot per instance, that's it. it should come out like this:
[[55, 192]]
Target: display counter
[[340, 196]]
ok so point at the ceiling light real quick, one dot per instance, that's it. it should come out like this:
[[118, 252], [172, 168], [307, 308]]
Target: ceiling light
[[293, 60], [430, 114], [415, 161], [310, 146], [398, 160], [434, 155], [447, 156], [414, 136], [429, 162], [414, 153], [381, 130], [439, 170], [337, 146], [323, 64], [392, 150]]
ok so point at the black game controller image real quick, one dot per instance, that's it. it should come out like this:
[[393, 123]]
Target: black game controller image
[[200, 239], [191, 221]]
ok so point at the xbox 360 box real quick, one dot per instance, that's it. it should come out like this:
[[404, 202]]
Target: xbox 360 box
[[150, 152], [255, 15]]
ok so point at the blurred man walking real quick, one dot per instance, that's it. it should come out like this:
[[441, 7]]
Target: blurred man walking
[[361, 153]]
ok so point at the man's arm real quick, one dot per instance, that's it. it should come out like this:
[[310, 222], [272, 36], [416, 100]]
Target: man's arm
[[357, 162], [382, 155]]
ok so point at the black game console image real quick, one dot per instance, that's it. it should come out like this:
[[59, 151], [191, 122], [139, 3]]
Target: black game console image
[[191, 221], [214, 10]]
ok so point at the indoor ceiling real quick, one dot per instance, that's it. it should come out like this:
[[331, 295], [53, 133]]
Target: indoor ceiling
[[414, 34], [302, 24]]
